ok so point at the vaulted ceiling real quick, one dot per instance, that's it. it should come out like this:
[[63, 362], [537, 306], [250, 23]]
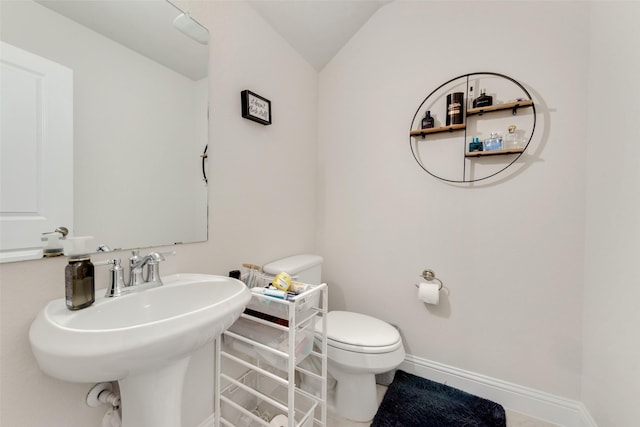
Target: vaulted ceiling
[[317, 29]]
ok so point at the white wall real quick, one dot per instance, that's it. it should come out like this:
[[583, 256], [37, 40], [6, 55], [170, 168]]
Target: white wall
[[262, 206], [509, 251], [611, 379]]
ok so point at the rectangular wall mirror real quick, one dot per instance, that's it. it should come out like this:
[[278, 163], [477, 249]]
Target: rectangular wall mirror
[[104, 123]]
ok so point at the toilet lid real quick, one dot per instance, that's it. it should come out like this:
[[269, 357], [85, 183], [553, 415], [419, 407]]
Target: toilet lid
[[359, 332]]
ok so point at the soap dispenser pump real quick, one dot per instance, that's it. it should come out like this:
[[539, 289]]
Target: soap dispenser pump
[[54, 245], [79, 275]]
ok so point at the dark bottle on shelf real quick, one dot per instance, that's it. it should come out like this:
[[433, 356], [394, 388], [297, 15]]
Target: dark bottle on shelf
[[483, 100], [454, 108], [428, 121], [475, 145]]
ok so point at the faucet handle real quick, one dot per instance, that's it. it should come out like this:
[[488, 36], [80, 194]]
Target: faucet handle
[[153, 272], [116, 277], [159, 256]]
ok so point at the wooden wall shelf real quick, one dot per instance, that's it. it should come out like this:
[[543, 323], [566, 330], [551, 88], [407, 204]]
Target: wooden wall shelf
[[494, 152], [499, 107], [427, 131]]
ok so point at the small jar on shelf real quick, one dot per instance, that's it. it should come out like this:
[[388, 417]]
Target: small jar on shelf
[[494, 142], [512, 140]]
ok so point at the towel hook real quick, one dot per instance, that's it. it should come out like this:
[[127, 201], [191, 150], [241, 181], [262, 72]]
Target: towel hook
[[429, 276], [204, 156]]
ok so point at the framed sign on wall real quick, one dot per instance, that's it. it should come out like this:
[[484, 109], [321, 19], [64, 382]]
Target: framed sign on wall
[[255, 107]]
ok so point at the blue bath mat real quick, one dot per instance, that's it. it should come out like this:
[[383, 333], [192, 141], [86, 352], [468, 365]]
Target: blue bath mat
[[411, 401]]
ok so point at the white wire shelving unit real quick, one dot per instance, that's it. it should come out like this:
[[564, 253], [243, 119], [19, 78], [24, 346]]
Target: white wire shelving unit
[[273, 363]]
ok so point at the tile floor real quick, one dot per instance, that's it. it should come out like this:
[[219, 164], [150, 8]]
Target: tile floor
[[514, 419]]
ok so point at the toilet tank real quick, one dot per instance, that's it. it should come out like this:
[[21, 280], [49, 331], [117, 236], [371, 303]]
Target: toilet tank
[[305, 268]]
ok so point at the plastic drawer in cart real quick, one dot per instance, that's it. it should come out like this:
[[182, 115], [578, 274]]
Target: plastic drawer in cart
[[304, 303], [271, 337]]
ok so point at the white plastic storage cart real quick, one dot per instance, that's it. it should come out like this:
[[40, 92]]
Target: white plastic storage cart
[[268, 370]]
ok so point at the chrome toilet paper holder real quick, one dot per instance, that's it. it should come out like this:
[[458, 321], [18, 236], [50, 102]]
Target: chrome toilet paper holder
[[429, 276]]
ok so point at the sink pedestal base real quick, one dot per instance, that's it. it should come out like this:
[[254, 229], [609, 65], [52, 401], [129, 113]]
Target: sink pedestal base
[[154, 398]]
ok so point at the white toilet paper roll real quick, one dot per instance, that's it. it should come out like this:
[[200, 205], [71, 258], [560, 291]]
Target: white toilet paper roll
[[429, 292], [279, 421]]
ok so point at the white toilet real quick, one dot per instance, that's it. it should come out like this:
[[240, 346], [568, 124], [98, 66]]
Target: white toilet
[[358, 346]]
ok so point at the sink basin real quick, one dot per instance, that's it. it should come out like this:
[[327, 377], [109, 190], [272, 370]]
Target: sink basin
[[142, 339]]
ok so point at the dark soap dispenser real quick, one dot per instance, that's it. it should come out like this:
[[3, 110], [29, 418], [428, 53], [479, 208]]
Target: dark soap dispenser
[[79, 276], [428, 121]]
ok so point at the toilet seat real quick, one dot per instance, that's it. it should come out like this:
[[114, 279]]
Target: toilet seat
[[360, 333], [362, 349]]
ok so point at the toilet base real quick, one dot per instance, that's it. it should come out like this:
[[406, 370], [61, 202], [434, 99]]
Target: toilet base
[[355, 396]]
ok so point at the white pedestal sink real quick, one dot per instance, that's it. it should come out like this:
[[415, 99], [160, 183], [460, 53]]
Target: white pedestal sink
[[144, 340]]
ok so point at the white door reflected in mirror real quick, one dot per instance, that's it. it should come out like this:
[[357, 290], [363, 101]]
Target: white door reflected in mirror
[[36, 150]]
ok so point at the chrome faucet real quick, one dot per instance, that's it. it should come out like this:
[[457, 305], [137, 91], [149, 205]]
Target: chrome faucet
[[137, 279], [136, 264]]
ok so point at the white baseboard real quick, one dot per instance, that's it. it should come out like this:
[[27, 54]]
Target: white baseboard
[[538, 404], [535, 403]]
